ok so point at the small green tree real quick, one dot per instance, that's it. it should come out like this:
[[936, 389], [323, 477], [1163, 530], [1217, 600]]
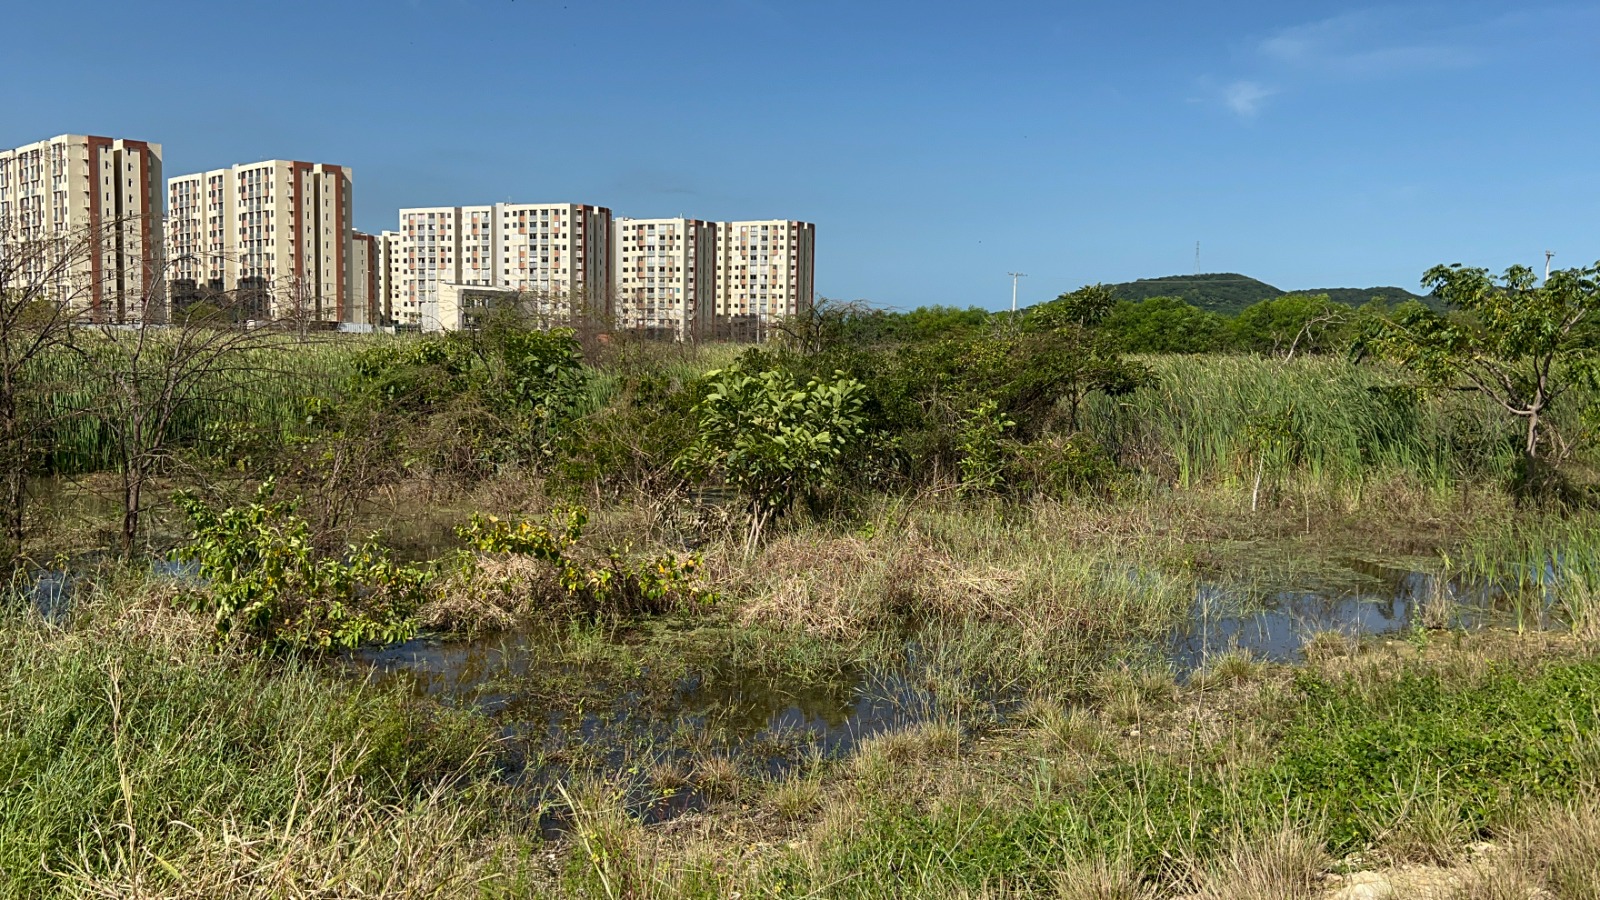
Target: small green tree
[[771, 439], [982, 453], [1068, 356], [1291, 324], [1510, 339]]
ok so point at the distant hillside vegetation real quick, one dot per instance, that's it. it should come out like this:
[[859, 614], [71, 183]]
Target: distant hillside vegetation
[[1230, 292]]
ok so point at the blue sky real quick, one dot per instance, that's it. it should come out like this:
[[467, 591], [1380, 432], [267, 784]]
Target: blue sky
[[936, 145]]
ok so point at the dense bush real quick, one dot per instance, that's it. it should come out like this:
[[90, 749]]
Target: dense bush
[[771, 438], [265, 583], [502, 396], [614, 582]]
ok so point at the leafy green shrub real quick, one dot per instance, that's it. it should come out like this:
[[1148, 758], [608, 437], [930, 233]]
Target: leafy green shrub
[[267, 583], [413, 375], [1063, 466], [500, 395], [982, 455], [629, 444], [771, 439], [614, 583]]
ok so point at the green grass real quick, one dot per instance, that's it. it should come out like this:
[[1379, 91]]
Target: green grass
[[261, 394], [1360, 761], [1542, 563], [1208, 419], [127, 749]]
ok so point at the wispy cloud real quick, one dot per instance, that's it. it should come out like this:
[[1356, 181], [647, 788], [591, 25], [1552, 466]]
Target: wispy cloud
[[1356, 46], [1245, 97], [1362, 45]]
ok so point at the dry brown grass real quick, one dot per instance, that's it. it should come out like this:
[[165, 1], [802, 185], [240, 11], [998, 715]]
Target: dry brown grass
[[845, 585], [336, 842], [1553, 854], [1101, 879], [718, 776], [1287, 864], [1023, 572], [497, 593]]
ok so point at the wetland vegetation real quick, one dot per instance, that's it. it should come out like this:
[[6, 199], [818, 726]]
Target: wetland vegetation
[[945, 604]]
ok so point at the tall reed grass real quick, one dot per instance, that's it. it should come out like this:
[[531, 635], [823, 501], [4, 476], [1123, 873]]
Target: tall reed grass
[[265, 390], [1226, 418], [1542, 566]]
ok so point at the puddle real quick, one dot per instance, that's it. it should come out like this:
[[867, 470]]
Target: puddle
[[681, 714], [642, 724], [53, 592], [1378, 600], [50, 592], [559, 713]]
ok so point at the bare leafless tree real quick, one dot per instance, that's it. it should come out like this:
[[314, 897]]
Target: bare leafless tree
[[156, 371], [44, 295], [817, 327]]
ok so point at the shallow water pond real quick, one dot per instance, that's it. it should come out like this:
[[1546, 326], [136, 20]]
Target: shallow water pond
[[619, 703], [1362, 598]]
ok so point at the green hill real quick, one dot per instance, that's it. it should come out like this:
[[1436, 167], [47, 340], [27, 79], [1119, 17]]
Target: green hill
[[1358, 296], [1230, 292]]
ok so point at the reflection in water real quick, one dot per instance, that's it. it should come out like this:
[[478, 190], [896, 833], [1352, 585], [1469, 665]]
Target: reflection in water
[[1274, 625], [49, 592], [509, 678], [559, 714], [555, 717], [552, 712]]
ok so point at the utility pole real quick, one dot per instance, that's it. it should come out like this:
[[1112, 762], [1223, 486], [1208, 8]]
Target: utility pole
[[1014, 277], [1547, 255]]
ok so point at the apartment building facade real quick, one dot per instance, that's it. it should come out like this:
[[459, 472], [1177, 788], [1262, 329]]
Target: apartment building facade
[[278, 234], [558, 254], [84, 211], [388, 274], [766, 270], [666, 276], [366, 261]]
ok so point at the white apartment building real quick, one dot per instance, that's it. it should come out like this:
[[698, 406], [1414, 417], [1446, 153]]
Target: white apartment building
[[278, 228], [557, 253], [766, 269], [666, 275], [97, 200]]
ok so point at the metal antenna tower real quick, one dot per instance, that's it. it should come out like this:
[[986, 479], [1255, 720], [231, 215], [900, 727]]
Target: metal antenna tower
[[1014, 277], [1197, 257]]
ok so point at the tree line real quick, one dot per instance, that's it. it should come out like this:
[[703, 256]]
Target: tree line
[[1285, 326]]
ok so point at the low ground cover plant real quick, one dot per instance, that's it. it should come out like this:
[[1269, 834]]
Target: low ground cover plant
[[614, 582]]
